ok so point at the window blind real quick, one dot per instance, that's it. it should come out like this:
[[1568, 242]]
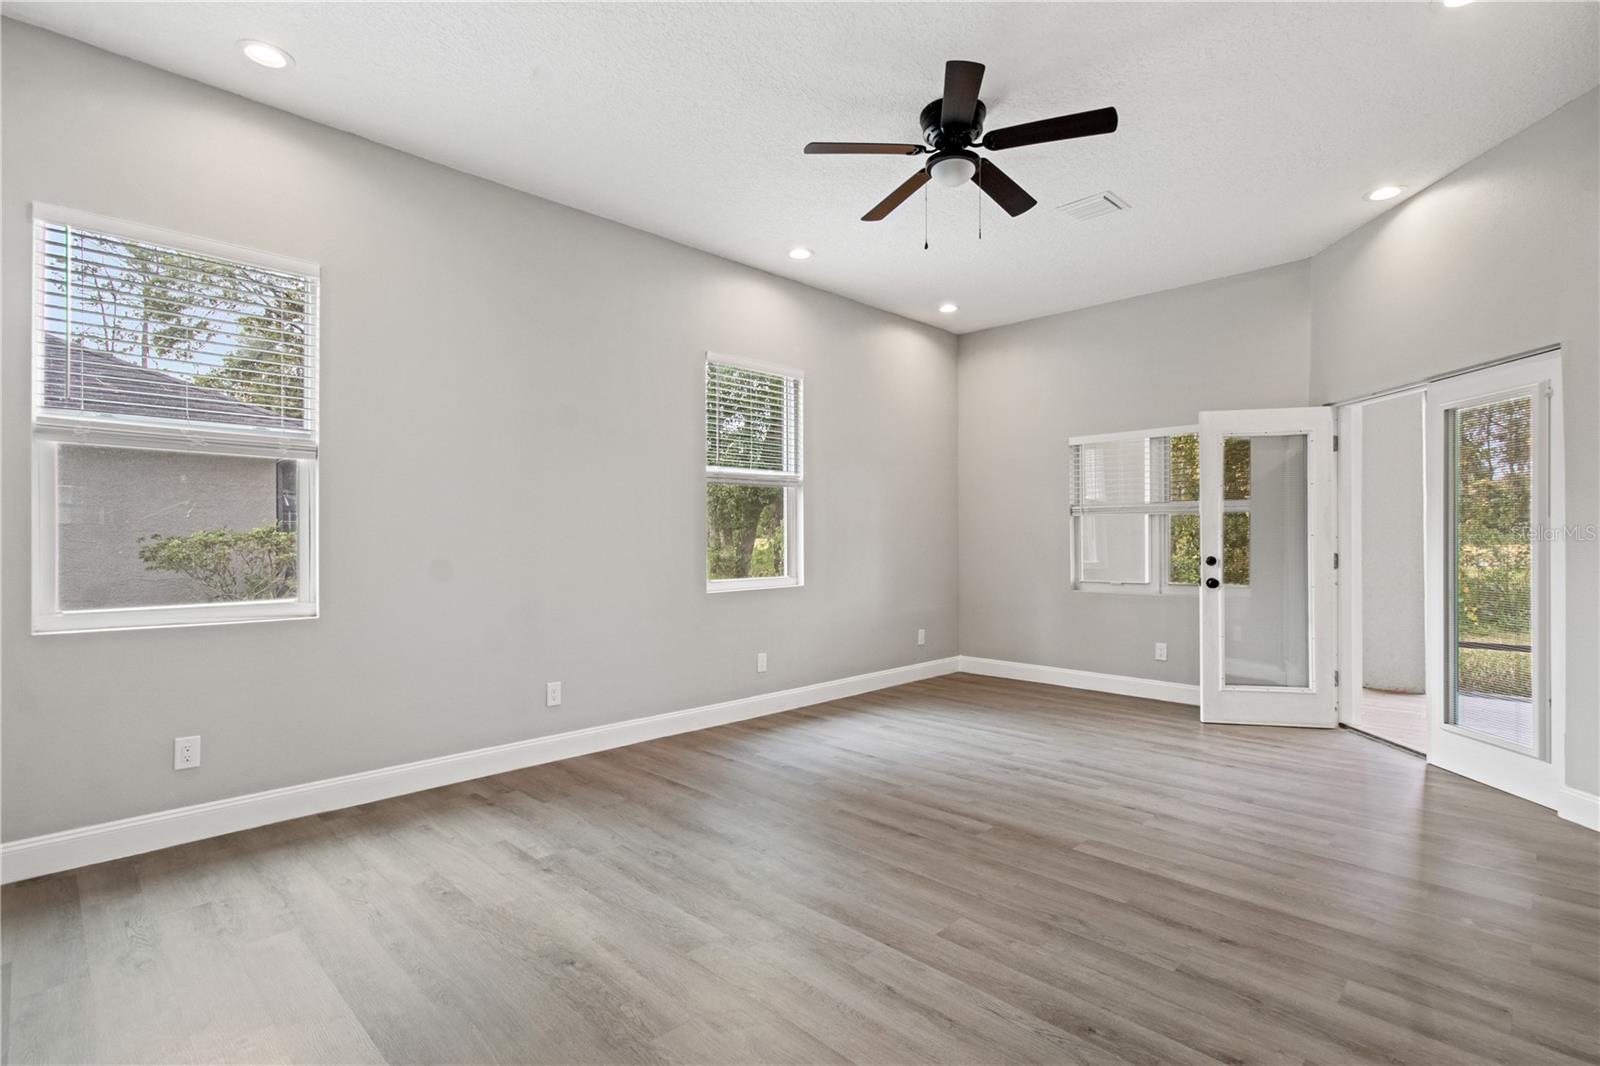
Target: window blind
[[753, 420], [1140, 475], [141, 336]]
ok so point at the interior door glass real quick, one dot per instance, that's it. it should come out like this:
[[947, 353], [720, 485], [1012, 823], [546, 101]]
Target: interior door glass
[[1491, 522], [1266, 577]]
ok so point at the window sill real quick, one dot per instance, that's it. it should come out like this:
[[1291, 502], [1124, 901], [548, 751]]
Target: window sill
[[747, 584], [202, 614]]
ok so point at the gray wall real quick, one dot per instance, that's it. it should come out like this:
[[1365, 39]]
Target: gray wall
[[1138, 364], [511, 486], [1497, 258], [1392, 607], [112, 499], [487, 526]]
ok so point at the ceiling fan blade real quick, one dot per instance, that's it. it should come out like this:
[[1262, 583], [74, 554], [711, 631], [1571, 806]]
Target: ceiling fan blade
[[1062, 128], [867, 148], [898, 197], [1002, 190], [961, 82]]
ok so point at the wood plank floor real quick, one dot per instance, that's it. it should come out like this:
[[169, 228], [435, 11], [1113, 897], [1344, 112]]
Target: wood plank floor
[[959, 870]]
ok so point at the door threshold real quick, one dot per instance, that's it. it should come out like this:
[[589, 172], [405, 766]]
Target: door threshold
[[1384, 740]]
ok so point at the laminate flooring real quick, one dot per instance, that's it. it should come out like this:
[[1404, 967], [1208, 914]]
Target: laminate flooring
[[960, 870]]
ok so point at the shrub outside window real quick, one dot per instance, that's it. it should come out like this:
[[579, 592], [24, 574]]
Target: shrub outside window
[[174, 428]]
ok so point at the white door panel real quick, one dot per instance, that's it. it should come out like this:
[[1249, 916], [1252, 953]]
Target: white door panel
[[1267, 603], [1495, 579]]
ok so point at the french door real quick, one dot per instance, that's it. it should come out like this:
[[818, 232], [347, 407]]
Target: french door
[[1267, 604], [1495, 563]]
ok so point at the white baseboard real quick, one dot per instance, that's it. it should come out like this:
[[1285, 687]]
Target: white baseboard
[[72, 848], [1146, 688], [1578, 806]]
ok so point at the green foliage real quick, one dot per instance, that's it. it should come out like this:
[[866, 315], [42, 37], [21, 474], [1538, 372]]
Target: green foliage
[[268, 366], [230, 564], [744, 531], [1494, 548], [157, 307], [1500, 673], [1184, 557], [1184, 473], [746, 415], [1183, 560]]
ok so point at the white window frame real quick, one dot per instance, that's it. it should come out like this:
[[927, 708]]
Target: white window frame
[[1157, 513], [794, 490], [51, 429]]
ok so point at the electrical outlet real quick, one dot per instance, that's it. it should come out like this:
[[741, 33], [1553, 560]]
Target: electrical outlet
[[185, 753], [1161, 653], [761, 662], [922, 637], [552, 694]]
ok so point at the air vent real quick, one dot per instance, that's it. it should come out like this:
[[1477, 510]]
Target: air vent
[[1101, 203]]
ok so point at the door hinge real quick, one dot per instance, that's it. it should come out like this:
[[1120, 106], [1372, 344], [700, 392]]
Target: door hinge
[[1336, 560], [1336, 442], [1336, 679]]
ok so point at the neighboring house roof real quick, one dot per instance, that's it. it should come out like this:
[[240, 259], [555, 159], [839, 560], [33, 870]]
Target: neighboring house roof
[[108, 384]]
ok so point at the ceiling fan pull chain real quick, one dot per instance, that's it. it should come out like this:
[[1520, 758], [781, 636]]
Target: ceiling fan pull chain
[[924, 218], [980, 198]]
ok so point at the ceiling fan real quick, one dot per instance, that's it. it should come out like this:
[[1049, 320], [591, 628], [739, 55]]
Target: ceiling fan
[[952, 126]]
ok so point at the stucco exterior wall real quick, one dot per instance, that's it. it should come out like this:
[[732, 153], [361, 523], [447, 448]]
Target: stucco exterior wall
[[110, 498]]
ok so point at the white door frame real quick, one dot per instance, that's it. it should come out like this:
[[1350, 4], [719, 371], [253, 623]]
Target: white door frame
[[1347, 576], [1349, 455], [1313, 705], [1450, 748]]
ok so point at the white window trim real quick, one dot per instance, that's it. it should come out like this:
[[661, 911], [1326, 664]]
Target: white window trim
[[794, 492], [51, 429]]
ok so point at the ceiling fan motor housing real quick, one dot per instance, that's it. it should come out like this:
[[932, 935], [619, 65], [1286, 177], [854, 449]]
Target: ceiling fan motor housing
[[939, 138]]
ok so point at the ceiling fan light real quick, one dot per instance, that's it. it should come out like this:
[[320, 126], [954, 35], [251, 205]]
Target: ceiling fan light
[[952, 170]]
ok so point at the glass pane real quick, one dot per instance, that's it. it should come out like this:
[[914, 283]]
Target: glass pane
[[752, 419], [1183, 561], [1114, 472], [1183, 468], [1114, 548], [1492, 511], [1265, 622], [140, 528], [140, 330], [745, 526]]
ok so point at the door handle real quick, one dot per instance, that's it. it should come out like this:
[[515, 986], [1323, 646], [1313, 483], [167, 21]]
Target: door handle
[[1212, 582]]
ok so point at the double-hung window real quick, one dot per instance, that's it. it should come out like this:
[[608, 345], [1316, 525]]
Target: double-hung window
[[174, 429], [1135, 511], [754, 475]]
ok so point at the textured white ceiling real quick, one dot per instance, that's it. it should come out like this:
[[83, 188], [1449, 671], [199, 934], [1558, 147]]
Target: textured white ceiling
[[1249, 131]]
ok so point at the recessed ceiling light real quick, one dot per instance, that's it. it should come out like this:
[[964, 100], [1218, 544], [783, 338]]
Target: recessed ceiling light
[[268, 55], [948, 308], [799, 253], [1386, 192], [1455, 3]]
